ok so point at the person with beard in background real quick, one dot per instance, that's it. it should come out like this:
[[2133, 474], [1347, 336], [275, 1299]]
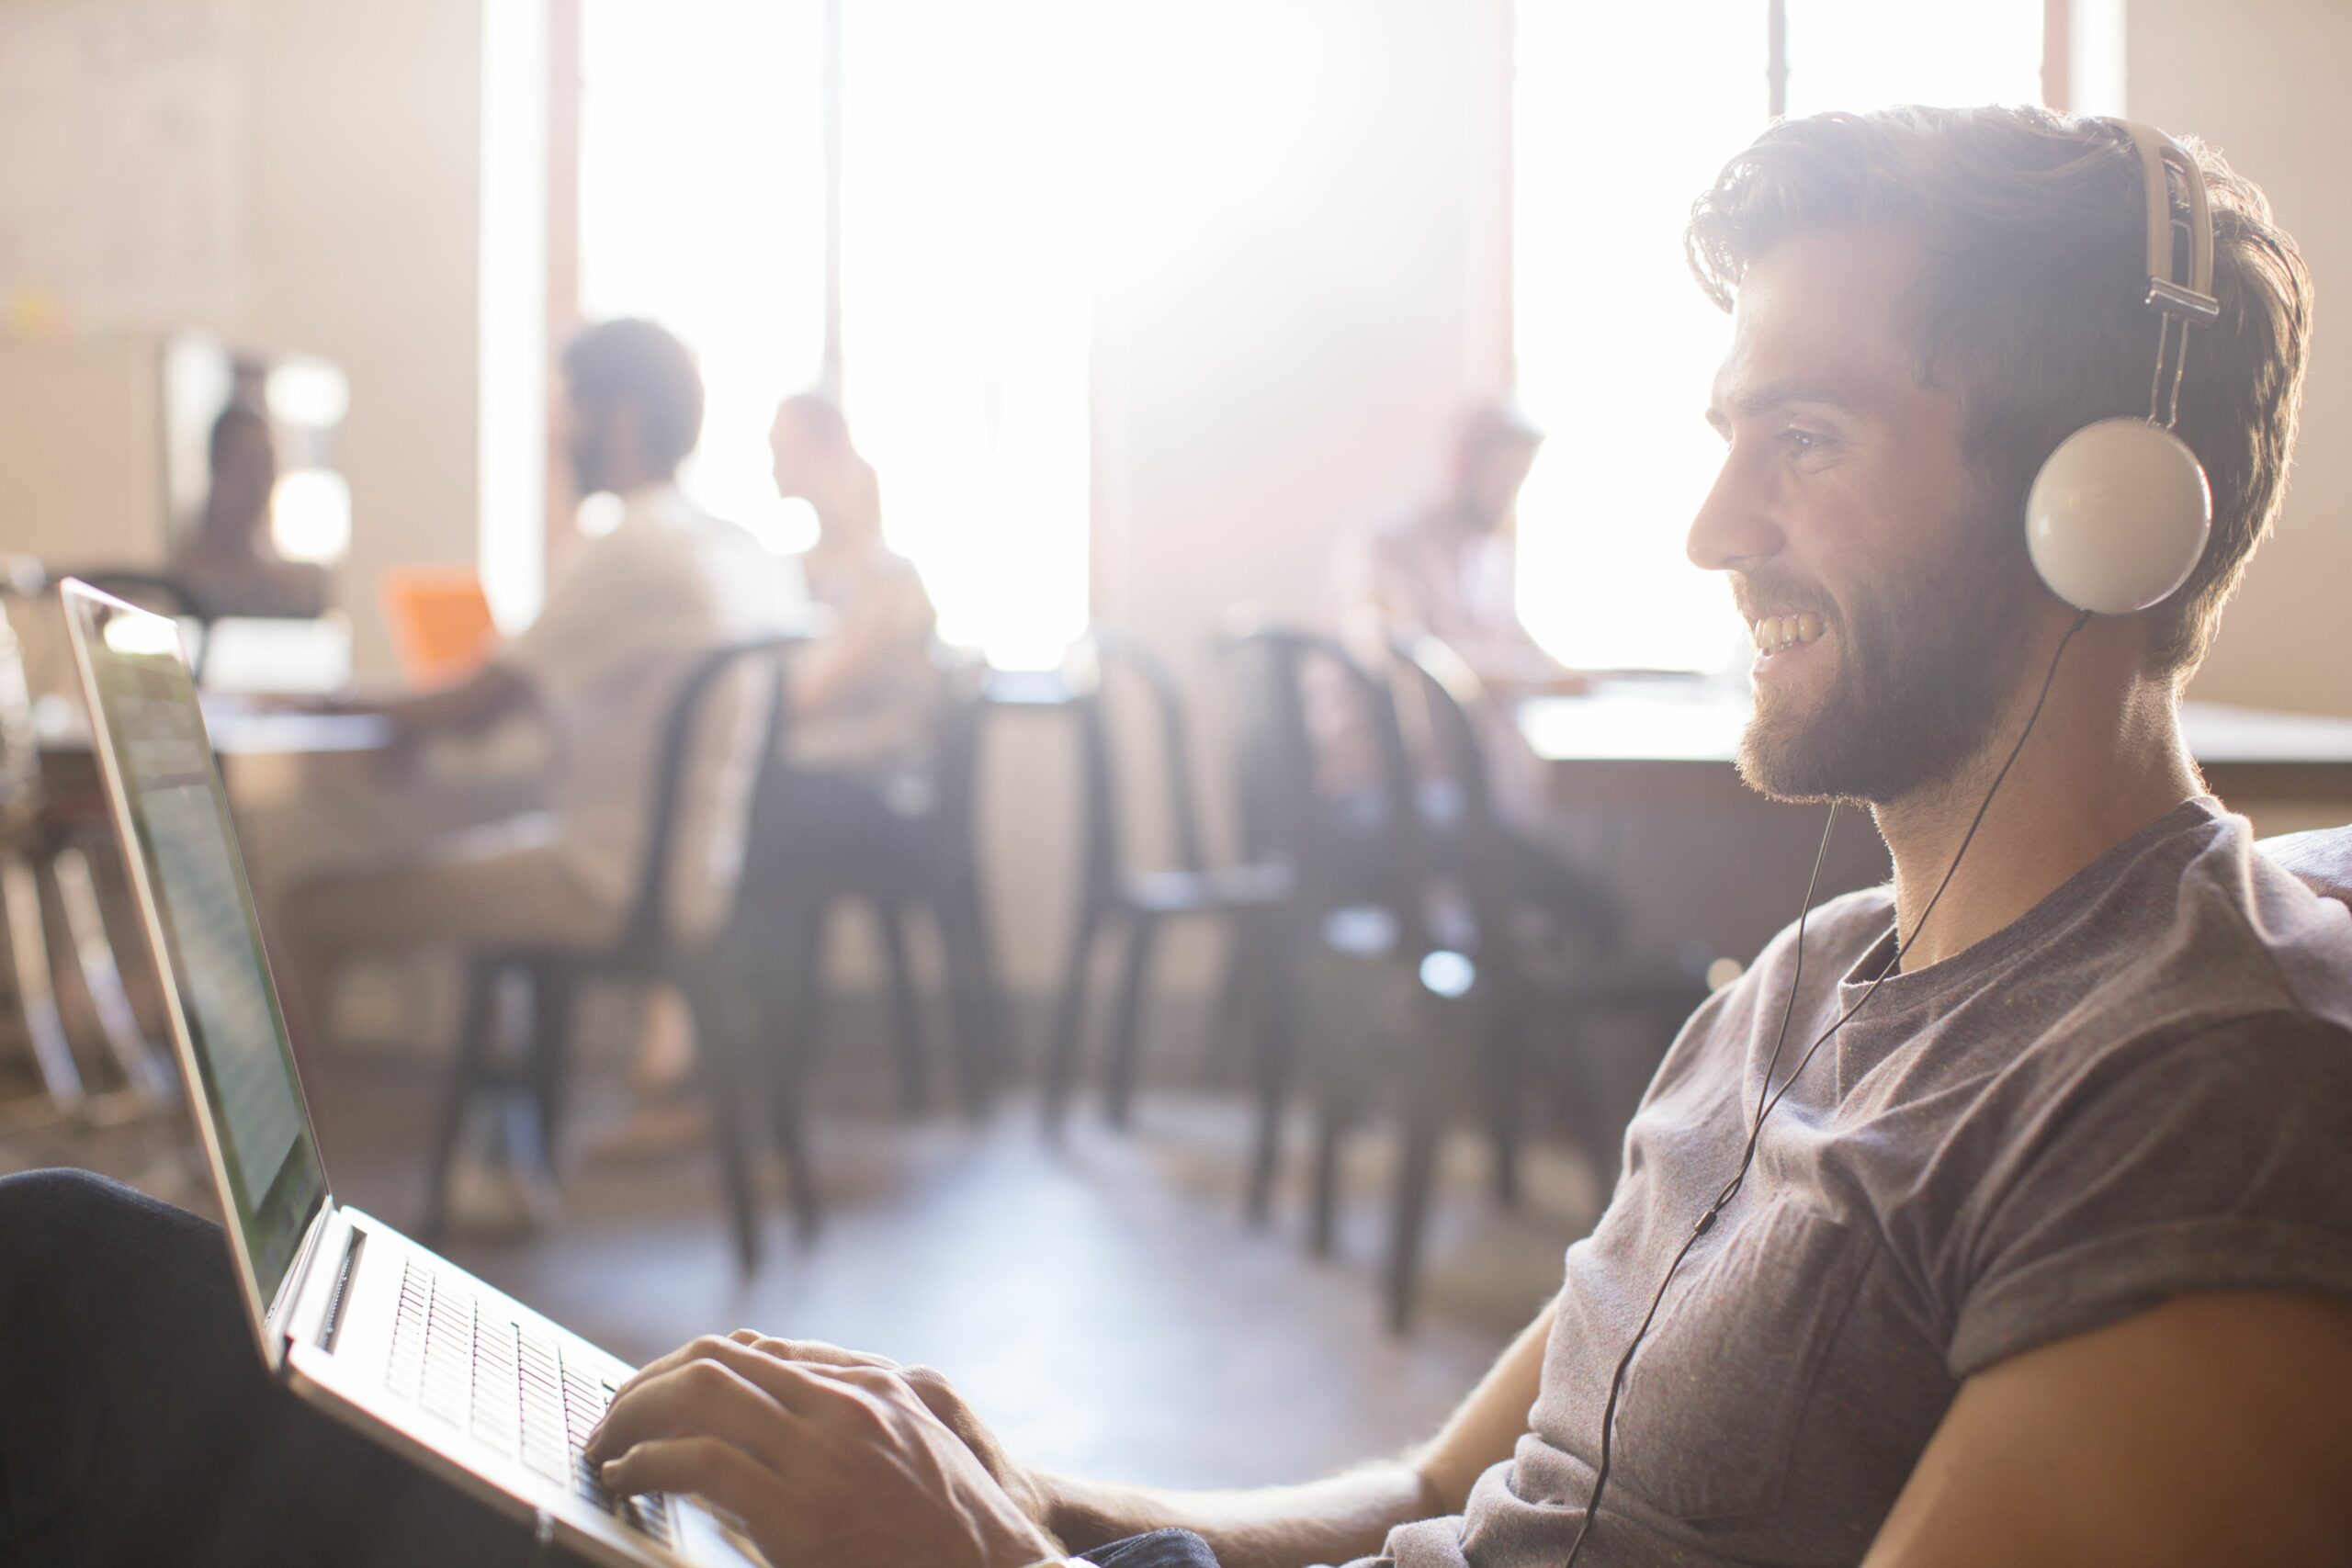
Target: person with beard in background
[[628, 613], [2042, 1254]]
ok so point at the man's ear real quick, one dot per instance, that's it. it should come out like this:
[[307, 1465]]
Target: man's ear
[[624, 437]]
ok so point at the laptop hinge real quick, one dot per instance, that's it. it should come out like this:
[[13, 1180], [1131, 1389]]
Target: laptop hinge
[[333, 1321]]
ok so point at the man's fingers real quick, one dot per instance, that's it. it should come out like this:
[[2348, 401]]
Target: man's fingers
[[706, 1466], [814, 1351], [697, 1348], [939, 1397], [706, 1397]]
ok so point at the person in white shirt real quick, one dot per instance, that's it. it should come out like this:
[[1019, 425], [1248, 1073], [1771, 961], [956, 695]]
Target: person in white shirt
[[628, 615]]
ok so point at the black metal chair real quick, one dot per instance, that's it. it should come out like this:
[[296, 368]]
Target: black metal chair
[[1527, 1023], [921, 851], [1355, 867], [51, 854], [728, 980], [1116, 901]]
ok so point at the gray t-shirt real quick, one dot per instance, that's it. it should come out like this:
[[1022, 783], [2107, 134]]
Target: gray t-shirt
[[2140, 1088]]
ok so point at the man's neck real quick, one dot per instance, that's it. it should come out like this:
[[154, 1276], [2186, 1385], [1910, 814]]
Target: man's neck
[[2105, 760]]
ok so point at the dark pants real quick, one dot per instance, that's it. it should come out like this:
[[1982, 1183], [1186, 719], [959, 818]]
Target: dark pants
[[137, 1424]]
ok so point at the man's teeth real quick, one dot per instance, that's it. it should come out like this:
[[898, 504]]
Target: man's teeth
[[1774, 633]]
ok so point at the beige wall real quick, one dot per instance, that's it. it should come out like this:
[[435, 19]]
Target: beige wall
[[362, 131], [2265, 81]]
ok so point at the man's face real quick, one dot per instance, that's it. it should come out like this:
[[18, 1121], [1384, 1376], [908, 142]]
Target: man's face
[[585, 432], [1892, 603]]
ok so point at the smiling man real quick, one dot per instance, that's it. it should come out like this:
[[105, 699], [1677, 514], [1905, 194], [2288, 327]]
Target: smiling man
[[2043, 1255], [2044, 1252]]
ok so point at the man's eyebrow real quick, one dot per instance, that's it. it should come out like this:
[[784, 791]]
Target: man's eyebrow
[[1757, 401]]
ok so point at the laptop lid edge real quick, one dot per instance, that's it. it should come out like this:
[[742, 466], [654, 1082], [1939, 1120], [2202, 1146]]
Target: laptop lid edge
[[82, 603]]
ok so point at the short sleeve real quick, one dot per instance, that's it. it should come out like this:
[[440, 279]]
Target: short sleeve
[[2218, 1161], [585, 631]]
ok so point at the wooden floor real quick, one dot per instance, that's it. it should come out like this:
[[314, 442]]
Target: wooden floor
[[1102, 1305]]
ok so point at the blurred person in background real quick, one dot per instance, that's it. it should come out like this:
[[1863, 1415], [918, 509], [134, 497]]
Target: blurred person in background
[[628, 613], [864, 703], [865, 699], [228, 561], [1449, 568]]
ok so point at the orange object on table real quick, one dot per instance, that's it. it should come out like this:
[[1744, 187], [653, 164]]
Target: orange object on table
[[441, 622]]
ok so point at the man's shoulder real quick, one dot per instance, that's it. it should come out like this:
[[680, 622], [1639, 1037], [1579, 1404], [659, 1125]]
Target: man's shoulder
[[2215, 927]]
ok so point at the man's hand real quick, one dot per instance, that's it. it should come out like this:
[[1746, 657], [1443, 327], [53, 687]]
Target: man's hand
[[838, 1462], [1025, 1487]]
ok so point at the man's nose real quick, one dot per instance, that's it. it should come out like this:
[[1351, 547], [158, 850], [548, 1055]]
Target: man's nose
[[1734, 527]]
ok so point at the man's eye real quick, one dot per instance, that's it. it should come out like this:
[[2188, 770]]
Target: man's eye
[[1805, 440]]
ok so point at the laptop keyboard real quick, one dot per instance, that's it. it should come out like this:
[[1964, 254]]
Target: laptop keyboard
[[508, 1385]]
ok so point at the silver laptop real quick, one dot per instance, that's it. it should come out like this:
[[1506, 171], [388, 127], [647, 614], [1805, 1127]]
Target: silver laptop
[[352, 1315]]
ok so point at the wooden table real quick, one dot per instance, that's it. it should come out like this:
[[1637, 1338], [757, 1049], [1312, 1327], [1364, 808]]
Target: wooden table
[[1671, 741], [244, 734]]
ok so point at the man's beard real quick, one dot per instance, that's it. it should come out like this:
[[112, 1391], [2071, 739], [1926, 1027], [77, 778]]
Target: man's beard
[[1924, 669]]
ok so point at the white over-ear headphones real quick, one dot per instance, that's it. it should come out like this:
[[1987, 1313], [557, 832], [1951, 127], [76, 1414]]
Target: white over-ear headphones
[[2119, 516]]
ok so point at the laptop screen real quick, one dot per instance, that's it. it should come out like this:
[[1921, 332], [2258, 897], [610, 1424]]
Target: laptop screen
[[145, 717]]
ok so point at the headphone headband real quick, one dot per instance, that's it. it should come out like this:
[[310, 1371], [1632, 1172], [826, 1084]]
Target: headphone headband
[[2168, 292]]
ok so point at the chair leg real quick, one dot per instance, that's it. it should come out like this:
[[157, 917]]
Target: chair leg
[[720, 1056], [144, 1068], [806, 955], [1415, 1170], [1277, 1046], [779, 1028], [975, 999], [20, 902], [1120, 1081], [1234, 1019], [1334, 1117], [1503, 1063], [1431, 1030], [1069, 1018], [906, 1011], [549, 1068], [465, 1071]]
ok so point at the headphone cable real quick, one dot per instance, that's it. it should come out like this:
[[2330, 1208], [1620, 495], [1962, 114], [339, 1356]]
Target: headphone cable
[[1768, 1100]]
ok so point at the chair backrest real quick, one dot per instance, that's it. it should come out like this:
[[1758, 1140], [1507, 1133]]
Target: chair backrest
[[649, 928], [1098, 663], [1445, 695], [1284, 817], [956, 756]]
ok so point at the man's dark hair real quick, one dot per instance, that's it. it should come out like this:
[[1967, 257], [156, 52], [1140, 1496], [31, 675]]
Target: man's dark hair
[[640, 365], [2028, 309]]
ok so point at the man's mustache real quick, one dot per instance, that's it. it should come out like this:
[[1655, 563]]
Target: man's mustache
[[1759, 594]]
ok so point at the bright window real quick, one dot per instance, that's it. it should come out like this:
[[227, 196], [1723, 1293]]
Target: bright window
[[702, 171], [964, 285], [966, 299], [1622, 115]]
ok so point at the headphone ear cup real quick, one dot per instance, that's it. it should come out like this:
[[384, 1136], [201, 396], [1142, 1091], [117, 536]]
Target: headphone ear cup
[[2118, 516]]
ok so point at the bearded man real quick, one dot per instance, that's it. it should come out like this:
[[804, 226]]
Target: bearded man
[[2044, 1253]]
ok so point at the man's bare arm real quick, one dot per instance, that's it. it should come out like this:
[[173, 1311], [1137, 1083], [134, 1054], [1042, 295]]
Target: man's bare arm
[[1340, 1517], [489, 694], [2211, 1430]]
